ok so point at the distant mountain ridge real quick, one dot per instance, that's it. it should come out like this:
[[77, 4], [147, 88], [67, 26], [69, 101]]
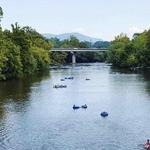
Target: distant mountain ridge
[[79, 36]]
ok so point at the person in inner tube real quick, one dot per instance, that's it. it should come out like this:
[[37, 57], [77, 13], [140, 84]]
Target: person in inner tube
[[147, 145]]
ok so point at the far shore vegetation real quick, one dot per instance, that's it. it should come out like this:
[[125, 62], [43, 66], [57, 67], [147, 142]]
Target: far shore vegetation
[[24, 51], [134, 53]]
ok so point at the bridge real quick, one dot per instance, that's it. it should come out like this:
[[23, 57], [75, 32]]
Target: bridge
[[73, 50]]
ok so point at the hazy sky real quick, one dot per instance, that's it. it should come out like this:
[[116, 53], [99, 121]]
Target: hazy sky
[[98, 18]]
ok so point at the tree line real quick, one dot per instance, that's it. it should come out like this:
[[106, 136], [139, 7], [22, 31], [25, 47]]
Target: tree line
[[134, 53], [24, 51]]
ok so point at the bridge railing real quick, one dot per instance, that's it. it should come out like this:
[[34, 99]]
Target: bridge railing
[[79, 49]]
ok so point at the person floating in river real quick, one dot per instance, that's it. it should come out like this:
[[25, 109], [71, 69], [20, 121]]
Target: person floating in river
[[147, 145]]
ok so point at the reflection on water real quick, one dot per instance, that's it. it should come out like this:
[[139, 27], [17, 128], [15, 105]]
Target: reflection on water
[[14, 94], [34, 115], [142, 75]]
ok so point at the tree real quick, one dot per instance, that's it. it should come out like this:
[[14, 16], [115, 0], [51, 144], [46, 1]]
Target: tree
[[148, 39], [135, 53], [33, 48], [10, 60], [101, 44], [121, 52], [85, 44], [55, 42], [1, 15], [74, 42], [58, 57], [139, 44], [1, 12], [23, 51]]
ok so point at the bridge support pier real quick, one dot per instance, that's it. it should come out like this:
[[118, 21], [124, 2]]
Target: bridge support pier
[[73, 58]]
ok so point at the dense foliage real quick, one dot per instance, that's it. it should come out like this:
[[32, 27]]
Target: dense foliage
[[1, 12], [23, 51], [128, 53], [73, 42], [85, 57], [1, 15]]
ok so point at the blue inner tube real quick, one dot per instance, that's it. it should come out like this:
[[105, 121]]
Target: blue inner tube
[[75, 107], [104, 114], [84, 106], [69, 78]]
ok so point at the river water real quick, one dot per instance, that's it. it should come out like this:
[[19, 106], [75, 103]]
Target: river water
[[36, 116]]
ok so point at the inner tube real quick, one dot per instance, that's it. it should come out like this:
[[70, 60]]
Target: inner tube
[[60, 86], [75, 107], [70, 78], [104, 114], [84, 106]]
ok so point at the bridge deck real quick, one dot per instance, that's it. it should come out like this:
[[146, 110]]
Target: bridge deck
[[79, 49]]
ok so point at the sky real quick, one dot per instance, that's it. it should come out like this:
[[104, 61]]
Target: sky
[[102, 19]]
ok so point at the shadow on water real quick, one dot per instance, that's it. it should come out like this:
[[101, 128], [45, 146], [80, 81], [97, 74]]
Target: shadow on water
[[15, 98], [144, 75], [69, 66], [114, 70], [16, 93]]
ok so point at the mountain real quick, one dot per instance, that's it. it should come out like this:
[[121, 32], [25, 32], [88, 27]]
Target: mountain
[[49, 35], [79, 36]]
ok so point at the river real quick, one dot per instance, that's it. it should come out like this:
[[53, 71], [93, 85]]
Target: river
[[36, 116]]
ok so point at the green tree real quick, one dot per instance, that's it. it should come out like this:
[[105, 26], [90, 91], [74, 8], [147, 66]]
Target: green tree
[[101, 44], [55, 42], [84, 44], [1, 15], [10, 60], [58, 57], [139, 44], [21, 39], [41, 57], [30, 42], [65, 44], [74, 42], [23, 51], [146, 53], [121, 52]]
